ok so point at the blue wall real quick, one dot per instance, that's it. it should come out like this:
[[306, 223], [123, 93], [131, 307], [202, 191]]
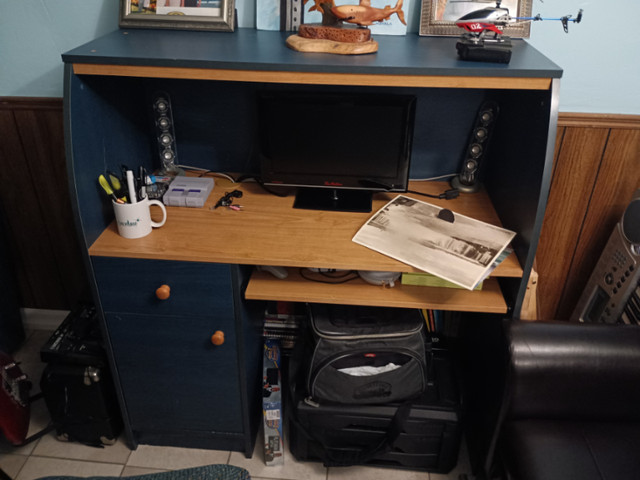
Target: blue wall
[[600, 56]]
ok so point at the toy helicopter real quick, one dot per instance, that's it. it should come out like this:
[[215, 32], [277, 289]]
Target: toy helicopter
[[484, 40]]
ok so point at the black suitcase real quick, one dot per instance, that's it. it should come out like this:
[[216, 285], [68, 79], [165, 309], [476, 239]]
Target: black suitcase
[[427, 438], [82, 403], [363, 355]]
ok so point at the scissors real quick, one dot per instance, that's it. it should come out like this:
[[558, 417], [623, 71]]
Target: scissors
[[111, 184]]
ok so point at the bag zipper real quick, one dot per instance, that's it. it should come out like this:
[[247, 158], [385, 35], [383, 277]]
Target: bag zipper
[[365, 336]]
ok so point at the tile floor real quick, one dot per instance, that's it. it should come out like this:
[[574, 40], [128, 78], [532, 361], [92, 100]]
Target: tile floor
[[49, 456]]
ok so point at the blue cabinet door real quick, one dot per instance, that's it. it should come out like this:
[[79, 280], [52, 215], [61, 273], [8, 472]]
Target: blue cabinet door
[[172, 377], [175, 383]]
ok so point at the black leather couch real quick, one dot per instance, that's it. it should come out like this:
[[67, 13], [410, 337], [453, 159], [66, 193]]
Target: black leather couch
[[571, 408]]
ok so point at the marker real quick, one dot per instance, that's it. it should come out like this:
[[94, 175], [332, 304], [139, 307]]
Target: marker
[[132, 187], [142, 176]]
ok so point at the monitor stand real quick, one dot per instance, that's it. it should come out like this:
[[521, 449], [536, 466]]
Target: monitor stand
[[341, 200]]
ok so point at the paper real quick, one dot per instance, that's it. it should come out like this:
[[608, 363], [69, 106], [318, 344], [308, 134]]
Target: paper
[[409, 230]]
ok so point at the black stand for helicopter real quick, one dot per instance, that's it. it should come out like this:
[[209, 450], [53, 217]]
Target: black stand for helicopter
[[482, 49]]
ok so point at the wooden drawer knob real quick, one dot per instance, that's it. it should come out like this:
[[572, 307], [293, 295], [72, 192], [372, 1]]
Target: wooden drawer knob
[[217, 338], [163, 292]]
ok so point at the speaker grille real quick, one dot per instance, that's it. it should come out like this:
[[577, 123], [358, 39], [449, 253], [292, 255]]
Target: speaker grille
[[165, 136], [467, 180]]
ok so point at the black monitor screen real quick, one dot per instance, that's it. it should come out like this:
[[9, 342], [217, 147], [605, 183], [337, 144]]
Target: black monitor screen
[[343, 141]]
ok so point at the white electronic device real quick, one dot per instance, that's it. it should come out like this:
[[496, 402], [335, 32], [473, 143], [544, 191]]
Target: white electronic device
[[379, 278], [188, 192]]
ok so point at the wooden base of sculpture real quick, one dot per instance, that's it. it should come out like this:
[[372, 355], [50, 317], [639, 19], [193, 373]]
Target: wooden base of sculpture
[[337, 40]]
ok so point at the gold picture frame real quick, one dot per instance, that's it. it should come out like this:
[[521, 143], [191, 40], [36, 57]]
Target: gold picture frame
[[438, 17], [216, 15]]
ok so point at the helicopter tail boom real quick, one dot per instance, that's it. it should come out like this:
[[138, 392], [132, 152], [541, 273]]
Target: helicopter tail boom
[[565, 20]]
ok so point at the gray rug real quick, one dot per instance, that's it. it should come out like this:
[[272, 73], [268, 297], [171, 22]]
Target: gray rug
[[208, 472]]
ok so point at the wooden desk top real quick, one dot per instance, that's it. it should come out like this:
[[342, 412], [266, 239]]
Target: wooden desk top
[[268, 231]]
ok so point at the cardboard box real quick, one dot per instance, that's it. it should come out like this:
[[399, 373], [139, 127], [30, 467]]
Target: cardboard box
[[429, 280], [272, 403]]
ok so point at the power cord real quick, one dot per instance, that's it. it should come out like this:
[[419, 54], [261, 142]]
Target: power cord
[[328, 277], [446, 195], [259, 181]]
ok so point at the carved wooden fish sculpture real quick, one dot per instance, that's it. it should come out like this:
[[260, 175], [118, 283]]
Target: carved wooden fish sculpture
[[364, 14]]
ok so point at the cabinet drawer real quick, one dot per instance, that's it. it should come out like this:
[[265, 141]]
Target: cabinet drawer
[[129, 285]]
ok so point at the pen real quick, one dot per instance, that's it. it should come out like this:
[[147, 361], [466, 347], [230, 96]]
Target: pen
[[132, 187]]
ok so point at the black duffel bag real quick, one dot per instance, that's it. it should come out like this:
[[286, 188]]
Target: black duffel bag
[[364, 355]]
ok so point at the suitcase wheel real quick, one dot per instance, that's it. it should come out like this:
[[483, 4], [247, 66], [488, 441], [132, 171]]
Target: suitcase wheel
[[107, 441]]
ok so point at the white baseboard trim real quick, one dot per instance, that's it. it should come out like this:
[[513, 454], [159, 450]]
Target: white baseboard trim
[[40, 319]]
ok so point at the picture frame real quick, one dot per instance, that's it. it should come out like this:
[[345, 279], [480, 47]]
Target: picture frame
[[214, 15], [437, 17]]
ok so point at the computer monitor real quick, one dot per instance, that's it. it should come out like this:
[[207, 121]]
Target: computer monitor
[[337, 148]]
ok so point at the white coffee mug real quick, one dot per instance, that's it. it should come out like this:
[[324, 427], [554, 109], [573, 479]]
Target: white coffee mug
[[134, 219]]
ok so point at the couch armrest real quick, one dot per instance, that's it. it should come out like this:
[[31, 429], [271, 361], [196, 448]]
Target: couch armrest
[[573, 371]]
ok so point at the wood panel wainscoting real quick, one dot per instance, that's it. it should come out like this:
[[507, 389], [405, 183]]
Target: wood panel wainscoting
[[595, 173], [35, 205]]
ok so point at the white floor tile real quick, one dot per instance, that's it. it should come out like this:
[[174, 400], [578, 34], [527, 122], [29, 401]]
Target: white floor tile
[[42, 320], [49, 456], [50, 446], [130, 471], [374, 473], [11, 463], [39, 418], [291, 470], [30, 350], [174, 458], [37, 467], [25, 451]]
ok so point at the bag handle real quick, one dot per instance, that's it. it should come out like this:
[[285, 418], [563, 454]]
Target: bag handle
[[331, 458]]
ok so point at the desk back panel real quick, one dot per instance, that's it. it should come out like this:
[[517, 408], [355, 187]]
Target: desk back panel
[[216, 128]]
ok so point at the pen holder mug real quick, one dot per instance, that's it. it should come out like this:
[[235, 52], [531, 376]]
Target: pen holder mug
[[134, 219]]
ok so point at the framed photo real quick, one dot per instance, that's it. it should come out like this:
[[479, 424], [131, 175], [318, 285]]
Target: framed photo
[[438, 17], [178, 14]]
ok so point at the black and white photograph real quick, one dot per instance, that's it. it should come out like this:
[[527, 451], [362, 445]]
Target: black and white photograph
[[436, 240]]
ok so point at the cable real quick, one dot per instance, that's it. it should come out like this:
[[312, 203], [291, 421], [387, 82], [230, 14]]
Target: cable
[[331, 279], [447, 194], [448, 175], [264, 187], [204, 171]]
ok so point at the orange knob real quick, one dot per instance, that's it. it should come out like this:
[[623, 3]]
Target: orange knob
[[217, 338], [163, 292]]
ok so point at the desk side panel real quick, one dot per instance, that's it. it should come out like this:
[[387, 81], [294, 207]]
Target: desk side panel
[[249, 323], [519, 175], [104, 128]]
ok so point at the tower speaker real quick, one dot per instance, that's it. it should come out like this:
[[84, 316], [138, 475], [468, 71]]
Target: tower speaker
[[467, 180], [612, 293], [165, 136]]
